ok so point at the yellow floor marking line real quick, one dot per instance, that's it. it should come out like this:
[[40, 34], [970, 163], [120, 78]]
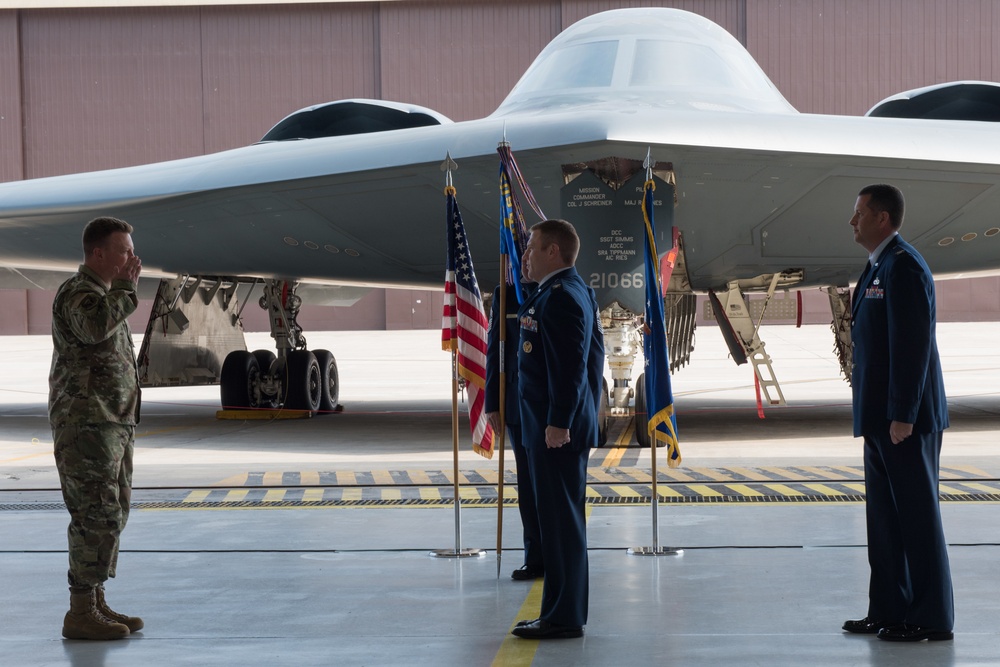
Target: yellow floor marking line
[[982, 487], [272, 479], [744, 490], [425, 494], [383, 477], [309, 478], [617, 451], [951, 490], [236, 496], [703, 490], [25, 458], [419, 477], [826, 490], [625, 491], [784, 473], [601, 475], [818, 472], [351, 493], [972, 470], [677, 475], [235, 480], [273, 496], [515, 652], [312, 495], [784, 489], [751, 475], [850, 470], [717, 475], [859, 487], [197, 496]]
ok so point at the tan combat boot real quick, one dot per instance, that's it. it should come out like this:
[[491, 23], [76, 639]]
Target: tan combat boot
[[133, 623], [83, 621]]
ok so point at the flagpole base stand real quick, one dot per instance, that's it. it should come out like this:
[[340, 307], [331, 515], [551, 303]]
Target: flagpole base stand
[[654, 551], [459, 553]]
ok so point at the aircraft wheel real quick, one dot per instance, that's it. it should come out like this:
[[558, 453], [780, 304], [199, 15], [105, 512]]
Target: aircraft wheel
[[641, 417], [303, 388], [265, 360], [239, 381], [602, 415], [329, 380]]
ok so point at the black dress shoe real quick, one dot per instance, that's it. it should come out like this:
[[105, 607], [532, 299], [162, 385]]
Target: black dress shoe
[[521, 624], [865, 626], [539, 629], [525, 573], [914, 633]]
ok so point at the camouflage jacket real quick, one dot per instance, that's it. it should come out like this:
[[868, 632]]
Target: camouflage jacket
[[93, 377]]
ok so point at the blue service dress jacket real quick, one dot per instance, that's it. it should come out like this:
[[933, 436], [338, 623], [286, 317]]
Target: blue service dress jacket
[[512, 414], [559, 358], [897, 372]]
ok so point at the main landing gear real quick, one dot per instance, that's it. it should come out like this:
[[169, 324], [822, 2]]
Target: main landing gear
[[295, 378]]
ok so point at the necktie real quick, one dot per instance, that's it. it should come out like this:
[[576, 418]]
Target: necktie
[[861, 281]]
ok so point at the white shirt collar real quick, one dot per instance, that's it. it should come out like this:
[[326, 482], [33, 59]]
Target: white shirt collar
[[549, 276], [881, 246]]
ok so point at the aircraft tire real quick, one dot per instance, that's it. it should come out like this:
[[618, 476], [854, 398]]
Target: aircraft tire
[[641, 418], [239, 382], [265, 361], [329, 379], [303, 388]]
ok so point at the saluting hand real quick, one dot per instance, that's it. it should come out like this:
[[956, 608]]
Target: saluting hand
[[130, 270]]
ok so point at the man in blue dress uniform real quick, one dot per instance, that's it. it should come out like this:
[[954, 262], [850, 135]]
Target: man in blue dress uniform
[[533, 567], [900, 410], [560, 364]]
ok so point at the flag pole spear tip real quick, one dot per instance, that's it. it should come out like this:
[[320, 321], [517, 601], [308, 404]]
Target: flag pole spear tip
[[648, 163], [448, 166]]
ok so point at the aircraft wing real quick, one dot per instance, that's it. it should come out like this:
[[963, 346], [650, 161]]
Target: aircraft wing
[[759, 187], [749, 192]]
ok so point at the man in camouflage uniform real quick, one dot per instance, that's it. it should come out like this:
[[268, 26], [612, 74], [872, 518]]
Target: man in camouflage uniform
[[93, 410]]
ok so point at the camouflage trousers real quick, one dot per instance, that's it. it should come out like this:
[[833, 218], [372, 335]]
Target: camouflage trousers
[[95, 471]]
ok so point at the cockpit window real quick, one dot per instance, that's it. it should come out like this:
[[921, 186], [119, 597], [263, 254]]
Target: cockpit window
[[589, 65], [674, 63]]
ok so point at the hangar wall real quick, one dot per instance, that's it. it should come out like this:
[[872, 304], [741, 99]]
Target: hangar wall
[[98, 88]]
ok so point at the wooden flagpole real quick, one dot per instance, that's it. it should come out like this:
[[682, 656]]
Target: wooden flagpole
[[502, 396]]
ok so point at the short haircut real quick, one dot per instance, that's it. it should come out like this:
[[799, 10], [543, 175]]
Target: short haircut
[[98, 230], [888, 198], [563, 234]]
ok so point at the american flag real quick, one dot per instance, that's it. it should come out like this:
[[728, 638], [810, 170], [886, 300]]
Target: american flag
[[464, 325]]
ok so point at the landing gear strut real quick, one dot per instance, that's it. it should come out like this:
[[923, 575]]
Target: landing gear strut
[[294, 378]]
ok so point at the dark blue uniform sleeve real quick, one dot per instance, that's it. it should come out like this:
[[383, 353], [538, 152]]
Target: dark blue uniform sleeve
[[566, 335], [909, 304]]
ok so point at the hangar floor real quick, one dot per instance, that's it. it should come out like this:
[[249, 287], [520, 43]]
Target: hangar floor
[[309, 542]]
